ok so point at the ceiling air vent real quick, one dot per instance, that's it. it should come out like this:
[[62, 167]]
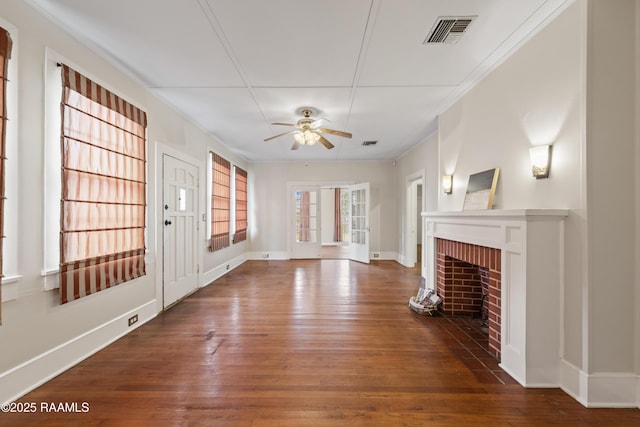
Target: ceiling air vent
[[369, 143], [449, 29]]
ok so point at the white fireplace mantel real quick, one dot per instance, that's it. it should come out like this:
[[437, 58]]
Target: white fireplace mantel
[[531, 243]]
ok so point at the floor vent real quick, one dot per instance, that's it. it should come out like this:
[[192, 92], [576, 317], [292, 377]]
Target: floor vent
[[449, 29]]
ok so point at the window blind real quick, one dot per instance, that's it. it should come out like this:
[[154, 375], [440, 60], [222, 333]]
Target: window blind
[[220, 202], [241, 205], [5, 54], [103, 206]]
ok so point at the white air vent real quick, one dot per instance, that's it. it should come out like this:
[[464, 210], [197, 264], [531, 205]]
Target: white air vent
[[365, 143], [449, 29]]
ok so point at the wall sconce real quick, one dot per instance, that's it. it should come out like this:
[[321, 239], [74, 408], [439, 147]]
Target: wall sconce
[[447, 184], [540, 161]]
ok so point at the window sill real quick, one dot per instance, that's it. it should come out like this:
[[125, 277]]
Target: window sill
[[50, 279], [10, 288]]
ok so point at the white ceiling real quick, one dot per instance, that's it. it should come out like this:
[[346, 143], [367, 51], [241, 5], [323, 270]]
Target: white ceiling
[[235, 66]]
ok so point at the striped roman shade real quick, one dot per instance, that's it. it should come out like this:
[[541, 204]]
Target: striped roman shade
[[220, 202], [241, 205], [103, 188], [5, 54]]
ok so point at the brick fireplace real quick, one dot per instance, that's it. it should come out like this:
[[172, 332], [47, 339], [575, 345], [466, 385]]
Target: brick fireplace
[[521, 252], [468, 280]]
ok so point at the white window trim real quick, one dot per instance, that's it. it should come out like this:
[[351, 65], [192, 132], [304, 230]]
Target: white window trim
[[52, 183], [10, 243], [232, 213], [207, 218]]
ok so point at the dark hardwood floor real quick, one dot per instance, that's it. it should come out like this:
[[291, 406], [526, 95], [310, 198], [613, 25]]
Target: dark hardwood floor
[[304, 343]]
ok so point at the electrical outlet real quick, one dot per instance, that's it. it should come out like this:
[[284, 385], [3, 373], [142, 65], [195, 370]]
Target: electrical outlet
[[376, 255], [133, 319], [266, 255], [227, 266]]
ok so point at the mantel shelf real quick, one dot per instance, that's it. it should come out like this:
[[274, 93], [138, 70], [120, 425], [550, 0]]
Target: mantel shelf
[[498, 213]]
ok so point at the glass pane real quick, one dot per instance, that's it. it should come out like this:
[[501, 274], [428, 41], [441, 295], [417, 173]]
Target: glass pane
[[306, 216], [182, 200]]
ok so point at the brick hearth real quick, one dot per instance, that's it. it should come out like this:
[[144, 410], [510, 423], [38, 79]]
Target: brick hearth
[[464, 272]]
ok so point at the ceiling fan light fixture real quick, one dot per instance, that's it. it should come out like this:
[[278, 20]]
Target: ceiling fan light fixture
[[308, 131], [310, 138]]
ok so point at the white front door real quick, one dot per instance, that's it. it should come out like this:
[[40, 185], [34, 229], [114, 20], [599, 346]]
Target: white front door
[[306, 236], [180, 235], [359, 222]]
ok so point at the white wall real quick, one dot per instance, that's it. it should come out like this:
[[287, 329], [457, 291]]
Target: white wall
[[612, 191], [40, 337], [420, 161], [268, 231]]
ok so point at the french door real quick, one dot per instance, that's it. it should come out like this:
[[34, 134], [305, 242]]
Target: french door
[[306, 242], [359, 222]]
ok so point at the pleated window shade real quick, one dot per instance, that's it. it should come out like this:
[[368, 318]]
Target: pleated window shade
[[220, 203], [241, 205], [103, 207], [5, 54]]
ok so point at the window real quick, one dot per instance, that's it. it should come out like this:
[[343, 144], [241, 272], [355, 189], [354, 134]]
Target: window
[[241, 205], [103, 201], [5, 54], [220, 202]]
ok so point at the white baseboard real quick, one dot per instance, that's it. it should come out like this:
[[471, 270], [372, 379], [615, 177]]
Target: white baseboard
[[384, 256], [31, 374], [221, 270], [266, 255], [402, 260], [600, 390], [284, 255]]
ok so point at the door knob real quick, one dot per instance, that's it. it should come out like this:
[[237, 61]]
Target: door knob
[[167, 222]]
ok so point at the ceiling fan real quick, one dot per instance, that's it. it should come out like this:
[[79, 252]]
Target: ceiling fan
[[308, 131]]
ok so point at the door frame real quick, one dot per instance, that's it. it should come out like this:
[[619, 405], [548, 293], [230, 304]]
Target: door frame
[[410, 232], [291, 223], [155, 233]]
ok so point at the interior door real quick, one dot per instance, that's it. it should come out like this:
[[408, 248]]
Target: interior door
[[306, 237], [180, 232], [359, 222]]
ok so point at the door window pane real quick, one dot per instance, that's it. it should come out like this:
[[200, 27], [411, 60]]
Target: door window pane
[[306, 216]]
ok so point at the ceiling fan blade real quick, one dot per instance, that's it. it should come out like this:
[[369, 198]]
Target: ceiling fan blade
[[284, 124], [317, 122], [295, 145], [335, 132], [326, 143], [282, 134]]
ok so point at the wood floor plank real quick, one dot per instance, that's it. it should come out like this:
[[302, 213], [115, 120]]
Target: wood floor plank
[[303, 343]]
